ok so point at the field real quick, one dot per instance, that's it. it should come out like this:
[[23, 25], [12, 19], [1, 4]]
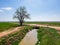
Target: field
[[14, 39], [48, 36], [45, 23], [6, 25], [45, 35]]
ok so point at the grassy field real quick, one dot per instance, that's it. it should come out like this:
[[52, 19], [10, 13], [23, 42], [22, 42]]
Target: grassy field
[[14, 39], [6, 25], [48, 36], [46, 23]]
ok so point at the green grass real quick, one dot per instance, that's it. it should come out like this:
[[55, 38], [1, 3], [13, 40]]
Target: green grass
[[46, 23], [14, 39], [48, 36], [6, 25]]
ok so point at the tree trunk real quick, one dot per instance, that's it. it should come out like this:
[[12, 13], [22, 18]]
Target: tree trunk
[[20, 23]]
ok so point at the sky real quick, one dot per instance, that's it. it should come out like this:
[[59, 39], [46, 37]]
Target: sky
[[39, 10]]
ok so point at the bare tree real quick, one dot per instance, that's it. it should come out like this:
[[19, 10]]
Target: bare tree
[[21, 14]]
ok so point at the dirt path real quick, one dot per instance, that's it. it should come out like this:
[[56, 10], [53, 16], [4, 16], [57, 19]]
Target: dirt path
[[39, 25], [5, 33]]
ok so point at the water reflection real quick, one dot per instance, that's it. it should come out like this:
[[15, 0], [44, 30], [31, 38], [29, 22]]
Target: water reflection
[[30, 38]]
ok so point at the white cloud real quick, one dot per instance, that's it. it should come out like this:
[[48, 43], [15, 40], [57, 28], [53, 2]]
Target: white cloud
[[1, 11], [7, 8], [50, 16]]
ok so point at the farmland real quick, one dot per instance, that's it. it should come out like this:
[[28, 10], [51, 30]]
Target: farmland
[[48, 36], [45, 23], [45, 35], [14, 39], [6, 25]]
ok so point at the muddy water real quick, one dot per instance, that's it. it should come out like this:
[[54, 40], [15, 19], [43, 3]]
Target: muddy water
[[30, 38]]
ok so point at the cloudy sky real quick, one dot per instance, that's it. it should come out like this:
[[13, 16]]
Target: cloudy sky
[[40, 10]]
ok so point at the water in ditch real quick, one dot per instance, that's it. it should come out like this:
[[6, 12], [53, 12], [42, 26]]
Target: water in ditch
[[30, 38]]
